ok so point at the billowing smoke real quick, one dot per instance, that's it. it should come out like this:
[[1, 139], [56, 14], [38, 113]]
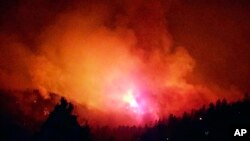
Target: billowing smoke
[[117, 59]]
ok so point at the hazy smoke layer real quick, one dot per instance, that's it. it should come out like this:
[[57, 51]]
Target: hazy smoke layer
[[116, 58]]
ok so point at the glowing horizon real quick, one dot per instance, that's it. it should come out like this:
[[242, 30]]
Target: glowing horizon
[[127, 62]]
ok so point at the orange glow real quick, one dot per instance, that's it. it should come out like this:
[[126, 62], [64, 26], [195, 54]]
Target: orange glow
[[124, 65]]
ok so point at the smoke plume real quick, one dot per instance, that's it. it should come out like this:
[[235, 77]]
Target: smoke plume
[[116, 59]]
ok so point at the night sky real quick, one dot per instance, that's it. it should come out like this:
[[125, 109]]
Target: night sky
[[136, 61]]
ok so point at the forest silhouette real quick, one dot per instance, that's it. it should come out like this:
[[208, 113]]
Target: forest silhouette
[[209, 123]]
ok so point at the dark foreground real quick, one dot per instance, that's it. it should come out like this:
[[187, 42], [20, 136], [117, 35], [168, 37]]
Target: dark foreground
[[216, 122]]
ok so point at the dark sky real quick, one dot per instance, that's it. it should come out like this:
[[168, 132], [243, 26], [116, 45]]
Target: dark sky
[[190, 51], [216, 33]]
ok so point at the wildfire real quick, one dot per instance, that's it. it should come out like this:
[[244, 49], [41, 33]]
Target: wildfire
[[130, 99], [118, 62]]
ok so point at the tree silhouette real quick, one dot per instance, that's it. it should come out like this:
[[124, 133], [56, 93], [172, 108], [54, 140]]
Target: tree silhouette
[[61, 125], [206, 124]]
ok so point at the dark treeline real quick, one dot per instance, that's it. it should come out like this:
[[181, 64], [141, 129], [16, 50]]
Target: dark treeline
[[206, 124], [209, 123]]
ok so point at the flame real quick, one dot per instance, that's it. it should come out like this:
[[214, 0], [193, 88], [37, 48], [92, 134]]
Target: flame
[[116, 62], [130, 99]]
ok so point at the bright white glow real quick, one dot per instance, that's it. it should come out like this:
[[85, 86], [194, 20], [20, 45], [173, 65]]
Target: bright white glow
[[130, 99]]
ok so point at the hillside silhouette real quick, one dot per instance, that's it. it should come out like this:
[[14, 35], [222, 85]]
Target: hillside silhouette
[[209, 123], [206, 124]]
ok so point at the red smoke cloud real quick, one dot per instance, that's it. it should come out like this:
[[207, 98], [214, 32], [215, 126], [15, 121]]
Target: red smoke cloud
[[116, 59]]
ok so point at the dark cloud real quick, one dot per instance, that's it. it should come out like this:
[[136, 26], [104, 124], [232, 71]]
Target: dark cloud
[[216, 35]]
